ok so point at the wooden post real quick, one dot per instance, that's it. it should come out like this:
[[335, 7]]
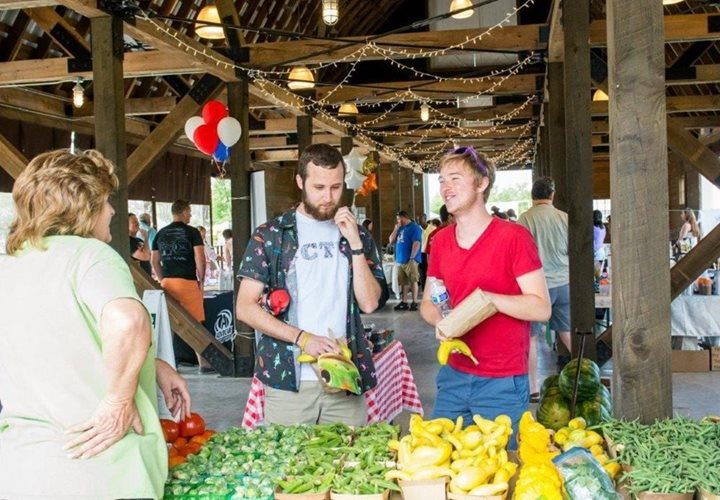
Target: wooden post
[[397, 186], [240, 166], [578, 150], [642, 383], [304, 132], [556, 133], [109, 103]]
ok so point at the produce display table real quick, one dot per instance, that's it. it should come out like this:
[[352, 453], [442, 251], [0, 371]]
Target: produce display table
[[395, 390]]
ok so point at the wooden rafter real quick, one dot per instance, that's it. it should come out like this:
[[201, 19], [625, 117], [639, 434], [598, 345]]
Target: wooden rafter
[[11, 160]]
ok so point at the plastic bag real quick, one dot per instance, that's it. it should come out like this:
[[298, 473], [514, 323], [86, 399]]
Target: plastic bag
[[584, 477]]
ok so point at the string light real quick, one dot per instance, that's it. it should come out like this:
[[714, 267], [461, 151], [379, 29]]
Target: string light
[[263, 79], [78, 94]]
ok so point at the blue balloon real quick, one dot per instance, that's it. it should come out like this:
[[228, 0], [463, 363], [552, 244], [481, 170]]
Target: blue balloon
[[222, 152]]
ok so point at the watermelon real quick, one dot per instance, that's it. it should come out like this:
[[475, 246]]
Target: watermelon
[[588, 384], [591, 410], [554, 410], [551, 381]]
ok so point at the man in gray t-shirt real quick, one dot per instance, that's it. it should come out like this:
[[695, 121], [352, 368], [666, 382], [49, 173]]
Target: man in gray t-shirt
[[549, 227]]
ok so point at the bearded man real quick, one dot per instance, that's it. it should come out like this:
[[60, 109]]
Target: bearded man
[[331, 269]]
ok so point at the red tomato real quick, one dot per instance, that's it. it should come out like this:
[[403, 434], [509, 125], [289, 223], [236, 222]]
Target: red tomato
[[192, 425], [170, 429]]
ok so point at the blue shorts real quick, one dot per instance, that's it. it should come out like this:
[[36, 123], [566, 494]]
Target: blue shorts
[[560, 300], [463, 394]]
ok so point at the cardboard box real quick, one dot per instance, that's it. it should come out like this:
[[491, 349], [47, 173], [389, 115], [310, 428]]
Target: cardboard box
[[715, 359], [690, 361]]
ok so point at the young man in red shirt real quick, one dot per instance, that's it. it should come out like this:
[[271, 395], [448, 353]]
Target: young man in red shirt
[[500, 258]]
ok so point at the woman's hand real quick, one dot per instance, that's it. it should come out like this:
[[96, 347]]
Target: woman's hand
[[174, 389], [109, 424]]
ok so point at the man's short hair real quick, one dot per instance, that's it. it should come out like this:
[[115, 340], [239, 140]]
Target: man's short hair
[[543, 188], [130, 214], [322, 155], [179, 206], [145, 218], [227, 234], [403, 213]]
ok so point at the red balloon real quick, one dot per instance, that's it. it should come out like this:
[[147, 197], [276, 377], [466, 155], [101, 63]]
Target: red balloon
[[206, 138], [213, 112]]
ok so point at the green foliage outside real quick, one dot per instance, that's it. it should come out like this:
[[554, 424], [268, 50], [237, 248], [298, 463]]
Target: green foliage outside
[[518, 194], [220, 199]]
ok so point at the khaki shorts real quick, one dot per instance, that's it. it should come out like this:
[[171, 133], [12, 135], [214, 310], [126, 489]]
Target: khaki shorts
[[312, 405], [408, 274]]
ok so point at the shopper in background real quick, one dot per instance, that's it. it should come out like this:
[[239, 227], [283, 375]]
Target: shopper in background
[[139, 250], [146, 225], [211, 266], [77, 381], [228, 249], [331, 269], [178, 261], [407, 237], [689, 233], [599, 232], [500, 258]]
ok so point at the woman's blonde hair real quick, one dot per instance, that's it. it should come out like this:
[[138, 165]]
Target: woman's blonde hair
[[59, 193], [479, 164]]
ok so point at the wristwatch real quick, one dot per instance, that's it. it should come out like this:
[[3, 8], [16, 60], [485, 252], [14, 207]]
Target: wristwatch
[[359, 251]]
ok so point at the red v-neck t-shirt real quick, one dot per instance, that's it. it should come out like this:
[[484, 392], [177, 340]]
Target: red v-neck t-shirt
[[502, 253]]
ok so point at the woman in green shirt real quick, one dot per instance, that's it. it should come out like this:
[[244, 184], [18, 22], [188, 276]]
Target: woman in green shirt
[[77, 366]]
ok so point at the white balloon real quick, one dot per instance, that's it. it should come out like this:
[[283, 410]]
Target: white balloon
[[229, 130], [191, 124], [354, 161], [354, 179]]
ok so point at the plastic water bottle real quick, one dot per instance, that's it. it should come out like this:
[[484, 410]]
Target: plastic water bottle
[[439, 296]]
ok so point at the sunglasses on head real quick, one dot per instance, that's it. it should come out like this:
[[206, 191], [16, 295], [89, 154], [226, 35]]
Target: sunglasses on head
[[477, 162]]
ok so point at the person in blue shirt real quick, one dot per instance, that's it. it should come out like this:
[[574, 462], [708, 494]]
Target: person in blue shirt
[[407, 237]]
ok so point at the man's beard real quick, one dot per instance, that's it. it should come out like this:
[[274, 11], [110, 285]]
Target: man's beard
[[316, 212]]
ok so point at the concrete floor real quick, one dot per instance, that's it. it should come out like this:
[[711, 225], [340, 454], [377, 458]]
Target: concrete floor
[[222, 400]]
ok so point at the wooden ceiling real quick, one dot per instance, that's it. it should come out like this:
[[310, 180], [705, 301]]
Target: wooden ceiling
[[378, 57]]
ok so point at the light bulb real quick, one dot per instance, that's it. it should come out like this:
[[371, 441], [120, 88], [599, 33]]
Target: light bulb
[[600, 95], [301, 78], [461, 4], [78, 95], [424, 112], [330, 12], [671, 2], [348, 109], [209, 14]]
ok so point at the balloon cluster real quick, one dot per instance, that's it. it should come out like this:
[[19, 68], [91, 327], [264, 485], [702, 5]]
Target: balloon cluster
[[214, 133]]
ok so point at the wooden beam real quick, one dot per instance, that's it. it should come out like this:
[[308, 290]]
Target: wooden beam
[[107, 57], [276, 155], [695, 153], [137, 65], [137, 106], [512, 38], [556, 133], [642, 383], [677, 28], [695, 262], [476, 113], [86, 8], [673, 104], [496, 85], [11, 159], [171, 127], [578, 164], [62, 33], [692, 75], [25, 4], [556, 45]]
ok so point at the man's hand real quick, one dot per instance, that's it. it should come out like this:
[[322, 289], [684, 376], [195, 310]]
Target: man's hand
[[109, 424], [315, 345], [174, 389], [347, 224]]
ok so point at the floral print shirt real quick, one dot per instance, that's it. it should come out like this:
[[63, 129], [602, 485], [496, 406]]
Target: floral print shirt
[[268, 258]]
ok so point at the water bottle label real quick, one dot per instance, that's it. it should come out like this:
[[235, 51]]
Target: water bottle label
[[439, 299]]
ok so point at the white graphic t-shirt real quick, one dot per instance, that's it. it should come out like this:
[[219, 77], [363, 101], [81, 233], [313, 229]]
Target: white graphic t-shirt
[[322, 277]]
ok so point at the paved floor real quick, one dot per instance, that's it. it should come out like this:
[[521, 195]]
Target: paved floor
[[222, 400]]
